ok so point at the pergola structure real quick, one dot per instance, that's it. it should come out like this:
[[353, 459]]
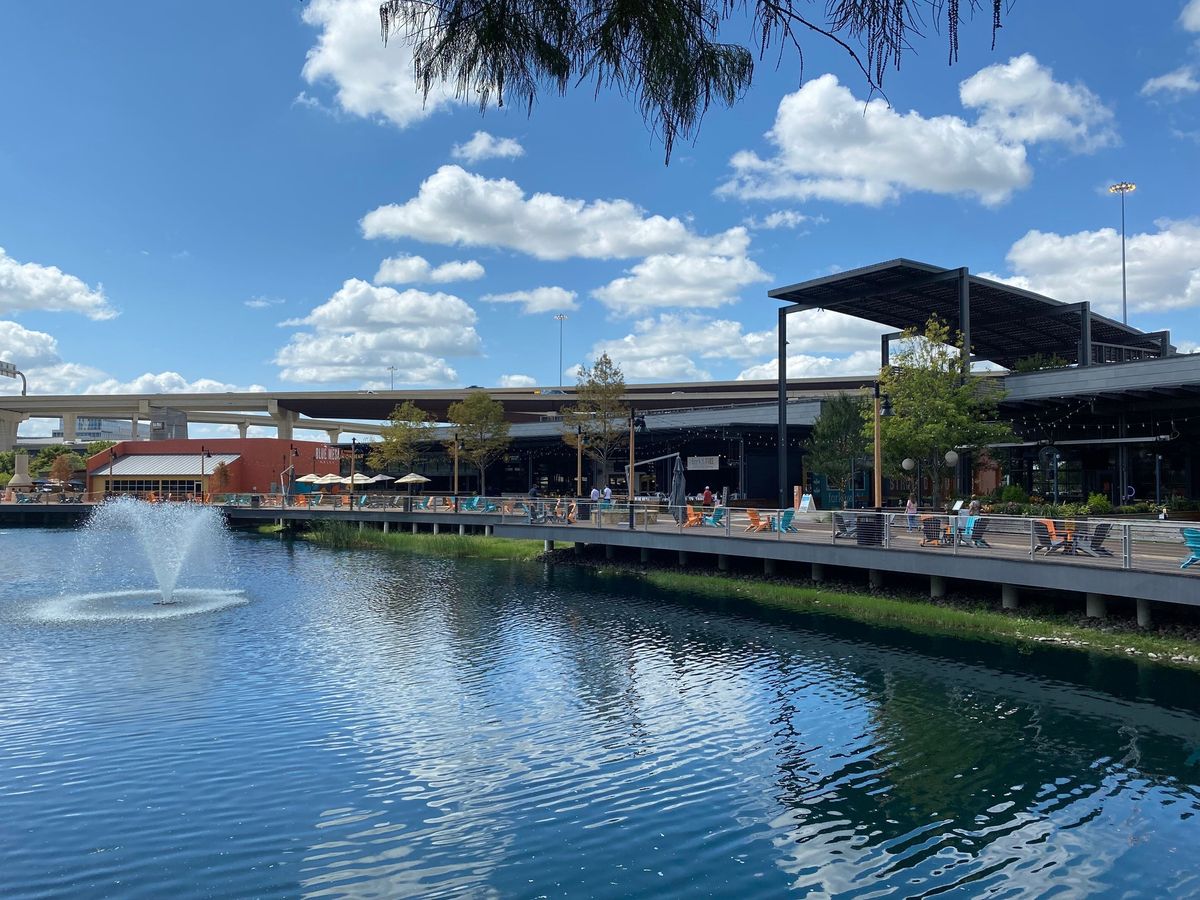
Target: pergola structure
[[998, 322]]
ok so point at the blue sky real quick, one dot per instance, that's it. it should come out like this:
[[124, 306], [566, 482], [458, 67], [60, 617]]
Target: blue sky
[[253, 195]]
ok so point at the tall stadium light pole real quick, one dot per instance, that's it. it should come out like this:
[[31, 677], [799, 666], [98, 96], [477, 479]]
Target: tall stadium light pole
[[1123, 188], [560, 318], [392, 371]]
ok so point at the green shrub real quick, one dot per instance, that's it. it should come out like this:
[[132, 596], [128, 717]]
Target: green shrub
[[1012, 493], [1098, 505]]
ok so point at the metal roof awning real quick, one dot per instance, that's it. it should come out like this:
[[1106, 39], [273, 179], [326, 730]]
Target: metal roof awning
[[166, 465], [1004, 324]]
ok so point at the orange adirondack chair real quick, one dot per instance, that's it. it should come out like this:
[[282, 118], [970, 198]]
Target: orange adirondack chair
[[756, 522], [694, 518]]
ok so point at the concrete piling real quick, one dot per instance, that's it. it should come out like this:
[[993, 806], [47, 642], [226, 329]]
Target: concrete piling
[[818, 572], [682, 557], [1144, 618], [1096, 607], [1008, 596], [874, 579], [937, 587], [768, 567], [722, 562], [645, 555], [609, 551], [548, 546], [436, 529]]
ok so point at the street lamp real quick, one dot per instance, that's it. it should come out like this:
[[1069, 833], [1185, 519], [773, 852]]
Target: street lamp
[[560, 318], [883, 409], [353, 460], [11, 371], [1123, 188], [578, 460], [392, 372], [204, 453]]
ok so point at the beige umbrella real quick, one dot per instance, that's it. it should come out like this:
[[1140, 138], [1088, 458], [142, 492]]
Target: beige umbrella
[[412, 478], [356, 478], [331, 478], [312, 478]]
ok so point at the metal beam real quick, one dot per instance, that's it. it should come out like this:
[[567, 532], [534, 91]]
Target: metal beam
[[781, 434]]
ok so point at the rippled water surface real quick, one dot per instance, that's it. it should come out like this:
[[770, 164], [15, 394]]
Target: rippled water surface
[[357, 724]]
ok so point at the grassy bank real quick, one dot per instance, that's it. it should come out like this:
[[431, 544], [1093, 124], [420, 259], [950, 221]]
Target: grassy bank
[[932, 618], [344, 535]]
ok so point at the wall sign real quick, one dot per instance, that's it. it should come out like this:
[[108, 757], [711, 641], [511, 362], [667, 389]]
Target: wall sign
[[695, 463], [328, 453]]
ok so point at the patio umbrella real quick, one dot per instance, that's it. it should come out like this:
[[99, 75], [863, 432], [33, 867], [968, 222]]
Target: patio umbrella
[[383, 478], [312, 478], [356, 478], [412, 478], [331, 478], [677, 499]]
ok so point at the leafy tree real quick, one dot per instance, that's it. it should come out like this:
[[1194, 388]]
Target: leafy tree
[[62, 468], [221, 476], [482, 431], [6, 461], [599, 418], [95, 447], [937, 404], [407, 430], [1040, 361], [667, 54], [41, 464], [837, 438]]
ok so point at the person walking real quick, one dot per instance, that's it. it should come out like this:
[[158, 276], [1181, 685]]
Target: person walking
[[708, 496], [595, 495], [607, 492], [910, 510]]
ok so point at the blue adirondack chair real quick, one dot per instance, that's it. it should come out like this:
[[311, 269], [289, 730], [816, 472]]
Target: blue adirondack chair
[[717, 517], [1191, 537], [785, 522]]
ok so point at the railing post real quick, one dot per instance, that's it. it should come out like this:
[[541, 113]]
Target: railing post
[[1032, 540], [1127, 546], [887, 531]]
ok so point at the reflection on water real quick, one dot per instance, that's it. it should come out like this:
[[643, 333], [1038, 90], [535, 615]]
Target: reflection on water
[[367, 725]]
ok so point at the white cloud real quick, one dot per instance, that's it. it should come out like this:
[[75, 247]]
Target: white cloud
[[1182, 81], [371, 80], [517, 381], [665, 347], [29, 286], [538, 300], [831, 145], [362, 330], [1162, 268], [802, 365], [484, 146], [1189, 18], [1021, 101], [405, 269], [262, 302], [680, 279], [456, 207], [783, 218], [165, 383]]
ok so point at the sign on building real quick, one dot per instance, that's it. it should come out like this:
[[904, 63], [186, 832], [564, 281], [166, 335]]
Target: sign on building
[[700, 463], [328, 453]]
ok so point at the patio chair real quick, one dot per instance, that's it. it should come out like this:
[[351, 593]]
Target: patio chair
[[1191, 537], [1093, 544], [572, 512], [978, 529], [842, 528], [785, 522], [27, 498], [694, 518], [716, 519], [931, 531], [756, 521], [1044, 537]]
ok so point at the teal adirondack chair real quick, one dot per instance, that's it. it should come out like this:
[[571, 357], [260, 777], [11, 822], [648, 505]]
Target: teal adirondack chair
[[716, 519], [1191, 537], [785, 521]]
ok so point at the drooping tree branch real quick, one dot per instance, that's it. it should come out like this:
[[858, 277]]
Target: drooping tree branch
[[667, 55]]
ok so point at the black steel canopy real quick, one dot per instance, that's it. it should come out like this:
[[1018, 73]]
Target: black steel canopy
[[1002, 323]]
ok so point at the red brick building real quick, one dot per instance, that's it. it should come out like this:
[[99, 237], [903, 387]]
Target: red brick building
[[254, 465]]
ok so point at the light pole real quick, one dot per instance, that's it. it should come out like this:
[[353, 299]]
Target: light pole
[[353, 460], [203, 454], [11, 371], [560, 318], [578, 460], [1123, 188], [883, 408], [456, 471], [392, 371]]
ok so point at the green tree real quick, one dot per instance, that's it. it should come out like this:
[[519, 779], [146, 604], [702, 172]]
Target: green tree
[[482, 431], [599, 418], [937, 403], [407, 431], [6, 461], [95, 447], [41, 464], [667, 54], [837, 438]]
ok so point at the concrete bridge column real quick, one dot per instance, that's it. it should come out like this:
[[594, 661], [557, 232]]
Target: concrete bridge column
[[135, 424], [243, 429], [768, 567], [1144, 618], [818, 572], [937, 587], [333, 435], [1096, 607], [1008, 596], [283, 418], [874, 579], [68, 427], [9, 422]]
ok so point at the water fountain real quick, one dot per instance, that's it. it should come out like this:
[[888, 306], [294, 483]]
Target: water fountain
[[138, 552]]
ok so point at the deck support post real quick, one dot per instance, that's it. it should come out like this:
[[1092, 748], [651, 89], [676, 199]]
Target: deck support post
[[768, 567], [682, 558], [874, 579], [1096, 606], [645, 555], [609, 551], [414, 527], [360, 524], [937, 587], [487, 530], [462, 529], [1144, 618], [722, 562], [386, 526], [436, 528], [818, 572], [1008, 596], [548, 546]]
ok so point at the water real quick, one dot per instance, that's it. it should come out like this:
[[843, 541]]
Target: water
[[351, 724]]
